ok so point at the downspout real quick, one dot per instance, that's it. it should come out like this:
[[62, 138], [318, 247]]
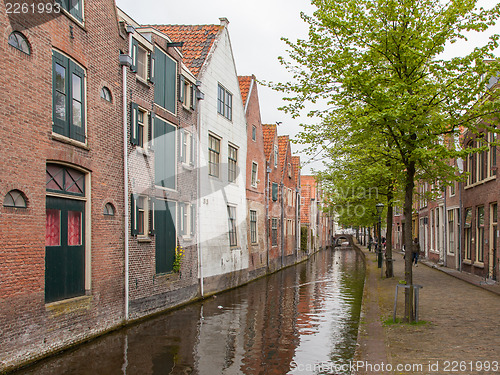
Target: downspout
[[268, 170], [198, 191], [130, 31]]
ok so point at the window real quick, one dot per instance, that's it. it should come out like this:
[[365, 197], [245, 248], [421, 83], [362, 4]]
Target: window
[[192, 217], [109, 210], [492, 170], [275, 191], [183, 218], [253, 226], [467, 233], [187, 147], [254, 132], [289, 170], [68, 98], [275, 156], [471, 165], [139, 214], [165, 153], [481, 162], [231, 213], [15, 198], [480, 234], [138, 126], [274, 231], [73, 7], [213, 156], [232, 163], [451, 231], [225, 103], [452, 189], [187, 94], [254, 174], [64, 233], [106, 94], [19, 41], [165, 73]]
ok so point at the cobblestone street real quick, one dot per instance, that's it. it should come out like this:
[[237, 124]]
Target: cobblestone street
[[460, 322]]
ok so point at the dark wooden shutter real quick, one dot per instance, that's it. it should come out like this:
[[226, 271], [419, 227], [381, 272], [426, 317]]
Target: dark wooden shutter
[[133, 54], [170, 83], [181, 88], [152, 67], [159, 74], [193, 219], [133, 214], [275, 191], [182, 156], [60, 126], [193, 96], [152, 205], [134, 125]]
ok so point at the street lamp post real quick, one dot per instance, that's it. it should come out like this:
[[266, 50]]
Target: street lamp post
[[380, 208]]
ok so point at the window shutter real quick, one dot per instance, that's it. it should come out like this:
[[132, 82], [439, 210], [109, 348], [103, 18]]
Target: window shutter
[[193, 219], [170, 83], [151, 133], [133, 214], [191, 149], [152, 202], [275, 191], [159, 74], [182, 89], [133, 54], [152, 67], [134, 128], [193, 96], [182, 151]]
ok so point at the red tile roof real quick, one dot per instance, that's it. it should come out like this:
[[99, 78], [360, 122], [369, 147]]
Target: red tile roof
[[269, 131], [284, 144], [296, 168], [198, 39], [245, 83]]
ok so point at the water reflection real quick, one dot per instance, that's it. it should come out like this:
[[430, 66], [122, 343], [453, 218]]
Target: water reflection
[[282, 324]]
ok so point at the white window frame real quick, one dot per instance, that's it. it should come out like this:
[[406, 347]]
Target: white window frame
[[253, 177]]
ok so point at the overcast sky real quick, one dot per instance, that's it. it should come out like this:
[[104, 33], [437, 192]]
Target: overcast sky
[[255, 29]]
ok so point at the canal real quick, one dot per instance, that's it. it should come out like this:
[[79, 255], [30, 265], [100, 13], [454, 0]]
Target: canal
[[301, 320]]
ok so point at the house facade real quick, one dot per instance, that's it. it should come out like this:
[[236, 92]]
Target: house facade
[[223, 251], [255, 179], [61, 181]]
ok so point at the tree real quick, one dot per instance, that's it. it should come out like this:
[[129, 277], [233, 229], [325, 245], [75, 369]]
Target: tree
[[378, 67]]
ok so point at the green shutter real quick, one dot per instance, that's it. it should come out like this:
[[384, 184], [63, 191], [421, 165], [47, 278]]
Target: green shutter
[[164, 153], [151, 131], [159, 74], [181, 88], [170, 83], [152, 67], [133, 54], [76, 132], [133, 214], [152, 204], [166, 237], [182, 151], [134, 125], [193, 96], [275, 191], [193, 219]]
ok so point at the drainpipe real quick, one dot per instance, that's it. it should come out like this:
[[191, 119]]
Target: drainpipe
[[125, 61], [268, 170], [198, 190]]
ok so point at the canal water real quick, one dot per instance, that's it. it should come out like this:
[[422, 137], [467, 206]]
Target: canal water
[[301, 320]]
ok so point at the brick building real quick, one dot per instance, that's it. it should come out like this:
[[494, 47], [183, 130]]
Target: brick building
[[61, 181], [162, 178], [255, 178]]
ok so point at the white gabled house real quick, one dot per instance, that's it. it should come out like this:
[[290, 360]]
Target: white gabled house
[[222, 144]]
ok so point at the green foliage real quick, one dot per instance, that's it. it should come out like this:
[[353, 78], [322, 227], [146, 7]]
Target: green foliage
[[179, 255], [303, 238]]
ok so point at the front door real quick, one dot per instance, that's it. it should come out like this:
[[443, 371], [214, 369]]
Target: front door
[[166, 239], [64, 249]]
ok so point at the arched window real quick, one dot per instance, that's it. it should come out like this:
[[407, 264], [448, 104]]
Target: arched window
[[106, 94], [19, 41], [109, 209], [15, 198]]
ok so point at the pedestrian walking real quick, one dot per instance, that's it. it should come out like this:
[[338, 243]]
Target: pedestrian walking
[[370, 243], [415, 251]]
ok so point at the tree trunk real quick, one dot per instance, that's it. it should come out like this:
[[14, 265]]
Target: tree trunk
[[408, 240], [389, 272]]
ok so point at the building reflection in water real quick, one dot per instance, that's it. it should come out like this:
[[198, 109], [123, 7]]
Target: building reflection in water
[[306, 314]]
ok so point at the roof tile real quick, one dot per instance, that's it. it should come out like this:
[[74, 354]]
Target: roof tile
[[245, 83], [198, 39], [270, 132]]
